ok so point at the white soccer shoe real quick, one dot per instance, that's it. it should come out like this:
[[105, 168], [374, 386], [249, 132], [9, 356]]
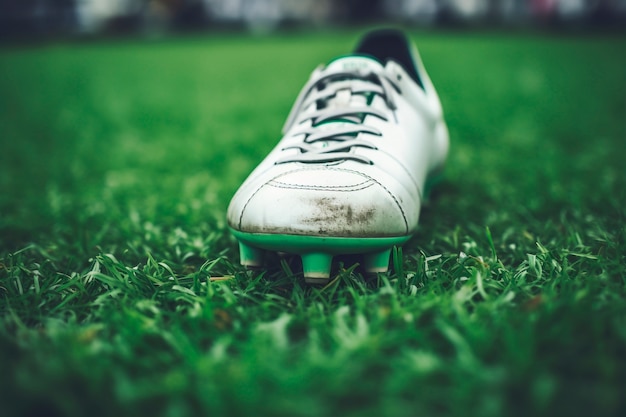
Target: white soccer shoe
[[363, 138]]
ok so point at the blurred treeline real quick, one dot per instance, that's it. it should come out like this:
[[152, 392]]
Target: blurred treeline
[[33, 18]]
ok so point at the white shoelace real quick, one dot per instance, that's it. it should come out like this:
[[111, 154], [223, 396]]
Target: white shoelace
[[339, 141]]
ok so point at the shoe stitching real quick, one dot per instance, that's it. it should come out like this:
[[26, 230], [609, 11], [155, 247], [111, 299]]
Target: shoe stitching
[[354, 187], [324, 186], [344, 189], [406, 223]]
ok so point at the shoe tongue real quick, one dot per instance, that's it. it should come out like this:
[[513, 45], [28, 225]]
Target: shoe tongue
[[352, 63]]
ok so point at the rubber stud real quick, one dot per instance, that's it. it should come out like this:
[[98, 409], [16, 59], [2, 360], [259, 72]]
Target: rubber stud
[[376, 262], [250, 256], [316, 267]]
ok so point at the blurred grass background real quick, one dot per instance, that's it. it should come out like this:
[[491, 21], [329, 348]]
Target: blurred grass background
[[118, 159]]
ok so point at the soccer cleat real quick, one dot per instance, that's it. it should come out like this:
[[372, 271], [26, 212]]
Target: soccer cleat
[[362, 140]]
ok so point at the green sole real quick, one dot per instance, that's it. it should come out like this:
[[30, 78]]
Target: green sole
[[317, 251]]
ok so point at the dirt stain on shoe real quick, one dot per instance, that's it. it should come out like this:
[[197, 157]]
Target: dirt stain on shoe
[[339, 216]]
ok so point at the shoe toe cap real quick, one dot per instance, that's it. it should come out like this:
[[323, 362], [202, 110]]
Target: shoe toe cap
[[322, 202]]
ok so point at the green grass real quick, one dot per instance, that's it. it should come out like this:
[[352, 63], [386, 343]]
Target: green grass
[[117, 162]]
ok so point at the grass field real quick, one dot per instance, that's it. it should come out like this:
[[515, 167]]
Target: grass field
[[117, 162]]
